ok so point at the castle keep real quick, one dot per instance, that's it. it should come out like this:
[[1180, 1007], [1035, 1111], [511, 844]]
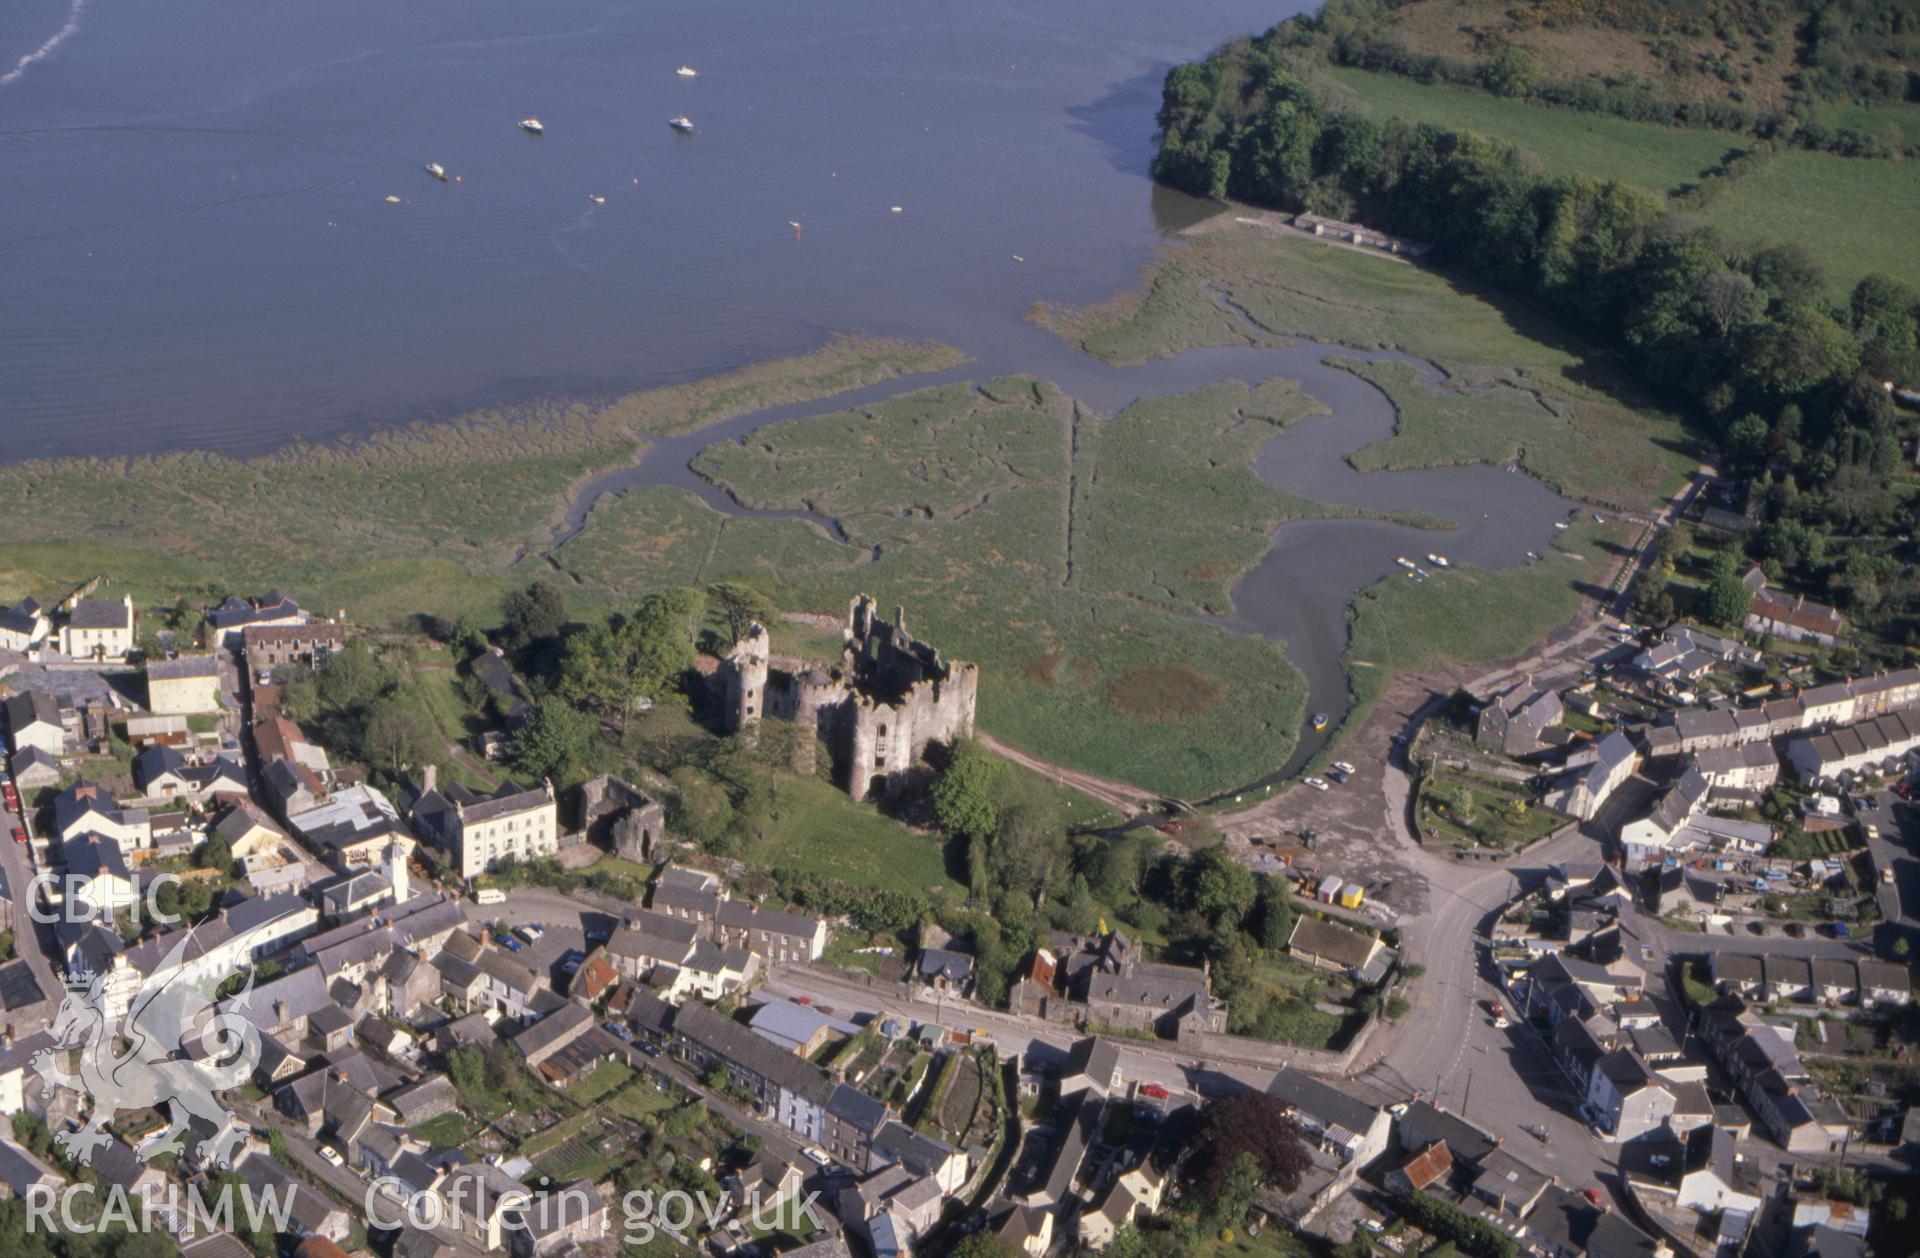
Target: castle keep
[[875, 712]]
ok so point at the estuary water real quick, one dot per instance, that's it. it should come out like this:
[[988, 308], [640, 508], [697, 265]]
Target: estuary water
[[199, 248]]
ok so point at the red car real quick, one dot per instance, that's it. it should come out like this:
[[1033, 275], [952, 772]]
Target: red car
[[19, 834], [1154, 1090], [1493, 1007]]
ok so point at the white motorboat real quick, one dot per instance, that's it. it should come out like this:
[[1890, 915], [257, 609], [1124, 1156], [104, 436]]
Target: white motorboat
[[1403, 561], [533, 126], [437, 171], [597, 199], [393, 200], [687, 72], [1438, 561], [680, 122]]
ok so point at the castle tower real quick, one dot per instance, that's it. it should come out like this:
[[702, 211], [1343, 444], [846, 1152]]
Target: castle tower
[[747, 666]]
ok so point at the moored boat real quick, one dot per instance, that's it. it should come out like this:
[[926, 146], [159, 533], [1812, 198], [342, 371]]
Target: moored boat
[[680, 122], [533, 126], [437, 171], [687, 72]]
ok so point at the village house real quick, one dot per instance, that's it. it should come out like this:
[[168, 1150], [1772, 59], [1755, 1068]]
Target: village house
[[477, 832], [1515, 723], [33, 721], [1747, 767], [692, 895], [351, 828], [33, 769], [1092, 1063], [183, 686], [798, 1095], [774, 935], [98, 630], [84, 808], [1592, 775], [1629, 1099], [1859, 748], [229, 620], [1645, 839], [485, 1203], [268, 647], [23, 626], [1792, 617]]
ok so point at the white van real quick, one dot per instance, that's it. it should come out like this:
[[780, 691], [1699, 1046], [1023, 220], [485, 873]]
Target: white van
[[489, 895]]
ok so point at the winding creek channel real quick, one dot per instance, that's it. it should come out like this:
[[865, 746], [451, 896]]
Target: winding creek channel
[[1300, 592]]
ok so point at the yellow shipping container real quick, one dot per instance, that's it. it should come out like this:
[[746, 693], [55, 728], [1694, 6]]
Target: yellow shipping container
[[1351, 895]]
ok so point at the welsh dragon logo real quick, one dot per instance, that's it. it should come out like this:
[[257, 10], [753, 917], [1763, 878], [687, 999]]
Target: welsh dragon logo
[[166, 1052]]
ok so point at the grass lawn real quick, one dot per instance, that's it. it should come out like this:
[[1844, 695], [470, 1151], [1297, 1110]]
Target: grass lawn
[[1566, 141], [819, 830]]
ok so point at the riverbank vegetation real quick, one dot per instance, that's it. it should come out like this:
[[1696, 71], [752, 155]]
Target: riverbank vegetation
[[423, 519]]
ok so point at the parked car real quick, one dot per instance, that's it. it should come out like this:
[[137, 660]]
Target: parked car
[[817, 1156], [1344, 767], [618, 1030], [532, 932], [19, 834], [571, 960], [1318, 784], [506, 940], [332, 1156]]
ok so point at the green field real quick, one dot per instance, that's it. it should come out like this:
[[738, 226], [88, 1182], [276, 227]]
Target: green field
[[1841, 208], [1564, 141], [1845, 209]]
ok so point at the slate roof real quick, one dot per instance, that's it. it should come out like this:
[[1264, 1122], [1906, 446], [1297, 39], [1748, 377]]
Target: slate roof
[[1322, 1101], [99, 613], [182, 668], [1422, 1124]]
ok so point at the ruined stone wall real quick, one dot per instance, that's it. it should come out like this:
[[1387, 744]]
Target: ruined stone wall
[[875, 713]]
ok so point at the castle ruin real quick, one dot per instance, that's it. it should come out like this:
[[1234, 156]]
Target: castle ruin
[[874, 712]]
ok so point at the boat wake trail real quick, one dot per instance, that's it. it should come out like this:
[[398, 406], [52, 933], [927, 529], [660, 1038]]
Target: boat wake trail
[[44, 50]]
